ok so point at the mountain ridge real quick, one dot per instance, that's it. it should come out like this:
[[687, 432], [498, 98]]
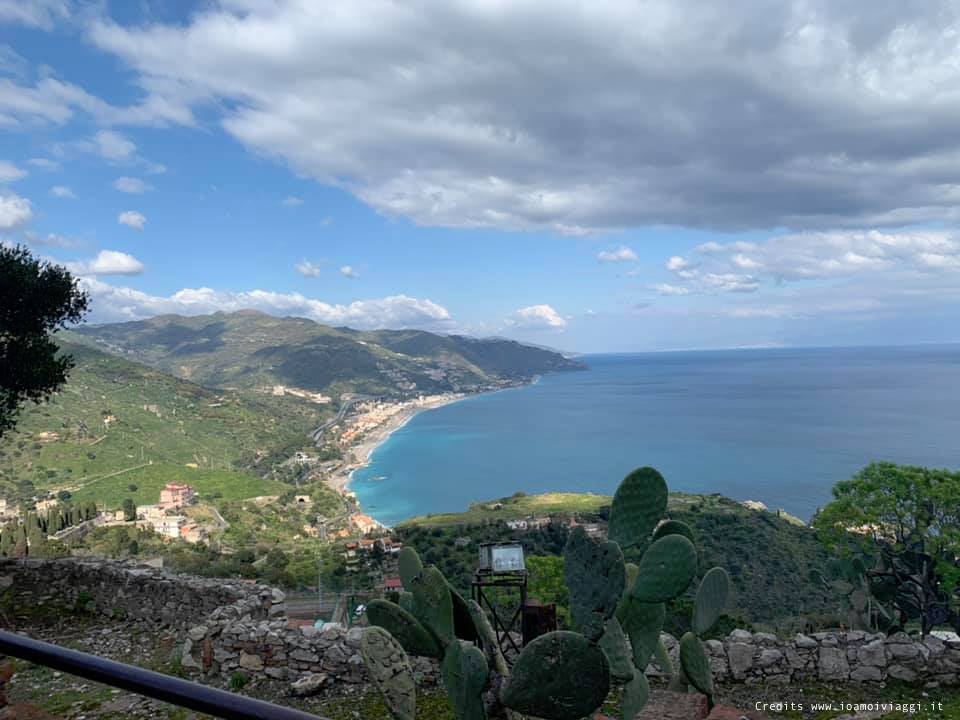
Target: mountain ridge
[[250, 349]]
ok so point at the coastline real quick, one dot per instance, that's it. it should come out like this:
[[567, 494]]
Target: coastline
[[364, 449]]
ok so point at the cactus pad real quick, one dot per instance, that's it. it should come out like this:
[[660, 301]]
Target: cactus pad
[[711, 599], [432, 604], [614, 644], [406, 601], [631, 573], [635, 695], [663, 658], [666, 569], [404, 627], [463, 626], [560, 675], [388, 667], [696, 665], [464, 671], [642, 622], [673, 527], [409, 566], [595, 575], [638, 505]]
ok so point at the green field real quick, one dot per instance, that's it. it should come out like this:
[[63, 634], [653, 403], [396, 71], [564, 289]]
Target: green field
[[210, 485], [516, 507]]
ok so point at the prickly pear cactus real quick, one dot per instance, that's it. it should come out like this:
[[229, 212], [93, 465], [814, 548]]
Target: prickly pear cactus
[[464, 671], [696, 665], [711, 599], [642, 622], [595, 575], [613, 642], [432, 604], [673, 527], [666, 569], [560, 676], [404, 628], [409, 566], [388, 666], [635, 696], [638, 505]]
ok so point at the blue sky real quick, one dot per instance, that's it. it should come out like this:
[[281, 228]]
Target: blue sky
[[518, 170]]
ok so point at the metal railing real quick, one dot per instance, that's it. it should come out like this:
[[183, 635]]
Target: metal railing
[[158, 686]]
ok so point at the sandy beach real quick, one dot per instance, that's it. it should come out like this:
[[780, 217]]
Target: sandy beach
[[363, 449]]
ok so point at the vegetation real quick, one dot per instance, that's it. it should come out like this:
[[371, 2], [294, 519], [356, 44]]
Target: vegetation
[[772, 589], [249, 349], [561, 675], [119, 425], [896, 530], [37, 298]]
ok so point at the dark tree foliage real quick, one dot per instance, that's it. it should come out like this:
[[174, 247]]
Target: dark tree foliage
[[37, 298]]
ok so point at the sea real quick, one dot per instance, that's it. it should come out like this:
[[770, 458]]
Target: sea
[[778, 426]]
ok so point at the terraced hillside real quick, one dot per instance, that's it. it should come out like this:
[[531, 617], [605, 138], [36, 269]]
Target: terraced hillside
[[118, 423]]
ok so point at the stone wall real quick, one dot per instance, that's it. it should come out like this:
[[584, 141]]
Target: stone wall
[[125, 591], [852, 656], [228, 627], [227, 643]]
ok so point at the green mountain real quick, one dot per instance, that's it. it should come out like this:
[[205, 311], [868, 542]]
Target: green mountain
[[118, 423], [249, 349]]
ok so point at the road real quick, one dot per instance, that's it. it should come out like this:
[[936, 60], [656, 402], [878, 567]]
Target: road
[[346, 405]]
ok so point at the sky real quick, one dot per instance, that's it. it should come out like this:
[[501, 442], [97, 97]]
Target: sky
[[619, 175]]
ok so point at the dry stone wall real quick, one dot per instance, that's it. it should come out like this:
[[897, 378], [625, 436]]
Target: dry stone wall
[[228, 627], [129, 592], [851, 656]]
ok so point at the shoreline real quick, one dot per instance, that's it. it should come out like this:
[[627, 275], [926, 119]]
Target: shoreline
[[366, 446]]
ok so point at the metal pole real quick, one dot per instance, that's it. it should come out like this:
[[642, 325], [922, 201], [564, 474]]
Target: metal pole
[[182, 693]]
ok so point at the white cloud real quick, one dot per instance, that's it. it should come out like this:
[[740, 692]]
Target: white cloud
[[131, 185], [40, 14], [536, 317], [831, 117], [61, 191], [668, 289], [397, 311], [621, 254], [44, 163], [291, 201], [114, 146], [53, 101], [309, 269], [132, 219], [348, 271], [15, 211], [10, 172], [107, 262], [742, 266]]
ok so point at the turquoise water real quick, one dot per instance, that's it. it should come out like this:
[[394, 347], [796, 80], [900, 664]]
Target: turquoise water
[[779, 426]]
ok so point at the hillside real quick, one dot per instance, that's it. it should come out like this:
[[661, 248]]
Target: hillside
[[249, 349], [118, 423], [768, 558]]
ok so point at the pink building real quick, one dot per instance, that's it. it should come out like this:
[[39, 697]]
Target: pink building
[[175, 496]]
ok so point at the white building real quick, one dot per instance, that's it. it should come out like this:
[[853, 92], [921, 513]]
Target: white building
[[169, 525]]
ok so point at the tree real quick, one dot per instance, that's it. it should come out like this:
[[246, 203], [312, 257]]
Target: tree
[[912, 507], [909, 518], [37, 298], [129, 509]]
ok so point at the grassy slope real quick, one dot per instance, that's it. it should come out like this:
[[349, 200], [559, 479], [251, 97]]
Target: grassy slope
[[220, 432], [768, 558]]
